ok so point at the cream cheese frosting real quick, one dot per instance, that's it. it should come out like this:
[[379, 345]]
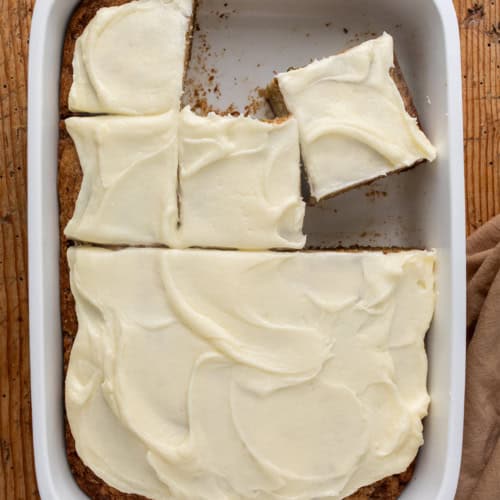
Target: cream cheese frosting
[[352, 119], [130, 58], [239, 183], [129, 188], [248, 375]]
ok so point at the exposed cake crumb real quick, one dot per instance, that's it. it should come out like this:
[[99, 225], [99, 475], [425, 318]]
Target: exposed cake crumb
[[373, 193], [258, 103]]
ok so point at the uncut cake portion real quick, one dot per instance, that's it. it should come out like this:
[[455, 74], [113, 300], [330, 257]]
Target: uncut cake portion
[[239, 183], [219, 374], [356, 118], [128, 193], [126, 58]]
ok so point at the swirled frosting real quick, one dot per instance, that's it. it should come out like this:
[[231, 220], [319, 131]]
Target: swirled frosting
[[352, 119], [130, 58], [239, 183], [129, 188], [248, 375]]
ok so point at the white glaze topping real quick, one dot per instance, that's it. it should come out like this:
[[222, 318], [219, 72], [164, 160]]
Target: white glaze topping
[[129, 188], [352, 119], [239, 183], [130, 58], [236, 375]]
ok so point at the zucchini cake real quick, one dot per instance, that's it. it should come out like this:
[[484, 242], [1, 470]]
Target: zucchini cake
[[183, 180], [122, 158], [239, 183], [356, 118], [126, 57], [203, 373]]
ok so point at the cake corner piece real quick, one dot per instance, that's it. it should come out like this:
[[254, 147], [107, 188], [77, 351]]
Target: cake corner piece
[[83, 13], [90, 90], [70, 178]]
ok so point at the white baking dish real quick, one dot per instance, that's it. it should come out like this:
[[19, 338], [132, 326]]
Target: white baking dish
[[424, 207]]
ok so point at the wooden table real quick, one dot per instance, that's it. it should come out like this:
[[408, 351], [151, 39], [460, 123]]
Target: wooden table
[[480, 36]]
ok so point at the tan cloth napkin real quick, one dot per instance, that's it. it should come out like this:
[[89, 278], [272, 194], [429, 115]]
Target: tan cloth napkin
[[480, 472]]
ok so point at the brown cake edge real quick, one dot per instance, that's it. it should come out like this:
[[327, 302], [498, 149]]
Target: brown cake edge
[[69, 182]]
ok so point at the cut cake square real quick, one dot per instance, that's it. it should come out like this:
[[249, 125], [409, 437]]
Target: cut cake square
[[356, 118], [120, 58], [128, 192], [239, 183]]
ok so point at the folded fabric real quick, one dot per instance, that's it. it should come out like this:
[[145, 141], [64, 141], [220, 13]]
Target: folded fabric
[[480, 472]]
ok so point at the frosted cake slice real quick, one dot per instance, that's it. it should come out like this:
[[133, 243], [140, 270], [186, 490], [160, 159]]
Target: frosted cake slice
[[129, 189], [239, 183], [356, 118], [130, 58]]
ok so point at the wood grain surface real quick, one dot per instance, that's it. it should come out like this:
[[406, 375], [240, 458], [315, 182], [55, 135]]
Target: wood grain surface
[[480, 37], [17, 476]]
